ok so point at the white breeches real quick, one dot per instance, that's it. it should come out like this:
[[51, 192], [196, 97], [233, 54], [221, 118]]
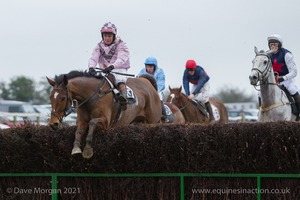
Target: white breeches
[[203, 95], [290, 85], [120, 78]]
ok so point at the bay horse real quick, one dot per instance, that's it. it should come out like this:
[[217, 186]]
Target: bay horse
[[275, 105], [190, 110], [96, 105]]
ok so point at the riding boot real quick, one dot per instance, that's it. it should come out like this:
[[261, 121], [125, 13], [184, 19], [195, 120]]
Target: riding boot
[[209, 110], [259, 101], [123, 99], [297, 102], [164, 112]]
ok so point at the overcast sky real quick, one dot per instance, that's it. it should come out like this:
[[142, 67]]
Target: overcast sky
[[47, 38]]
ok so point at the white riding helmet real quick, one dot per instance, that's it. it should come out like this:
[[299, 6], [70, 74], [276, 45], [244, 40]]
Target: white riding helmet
[[275, 38]]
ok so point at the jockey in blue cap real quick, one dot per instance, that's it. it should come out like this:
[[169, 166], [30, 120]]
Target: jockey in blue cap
[[152, 68]]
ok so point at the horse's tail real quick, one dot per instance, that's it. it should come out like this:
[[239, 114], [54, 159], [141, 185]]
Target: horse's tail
[[150, 78]]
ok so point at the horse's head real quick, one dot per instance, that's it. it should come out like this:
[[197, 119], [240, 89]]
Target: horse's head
[[175, 94], [60, 101], [261, 68]]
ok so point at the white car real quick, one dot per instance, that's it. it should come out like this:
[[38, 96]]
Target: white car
[[243, 115], [21, 109]]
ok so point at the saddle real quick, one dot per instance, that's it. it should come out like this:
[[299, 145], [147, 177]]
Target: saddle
[[291, 100], [130, 94], [201, 107]]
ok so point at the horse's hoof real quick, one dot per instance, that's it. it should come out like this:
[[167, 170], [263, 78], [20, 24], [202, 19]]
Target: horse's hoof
[[212, 122], [76, 150], [87, 152]]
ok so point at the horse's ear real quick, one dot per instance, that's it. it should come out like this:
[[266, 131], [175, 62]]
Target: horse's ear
[[255, 50], [170, 88], [180, 88], [50, 81], [65, 81]]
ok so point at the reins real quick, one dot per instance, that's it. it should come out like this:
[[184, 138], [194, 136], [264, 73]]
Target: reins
[[185, 105], [265, 74], [94, 94], [124, 74]]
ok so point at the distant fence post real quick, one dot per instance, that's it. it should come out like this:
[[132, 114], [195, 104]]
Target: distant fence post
[[38, 120], [15, 120]]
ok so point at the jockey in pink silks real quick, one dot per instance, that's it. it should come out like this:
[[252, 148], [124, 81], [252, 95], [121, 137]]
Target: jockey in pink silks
[[111, 53]]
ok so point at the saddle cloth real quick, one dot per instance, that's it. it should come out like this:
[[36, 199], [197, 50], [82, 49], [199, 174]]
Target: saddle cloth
[[130, 95], [168, 110], [215, 112]]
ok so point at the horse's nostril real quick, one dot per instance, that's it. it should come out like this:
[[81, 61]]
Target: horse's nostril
[[54, 126], [252, 77]]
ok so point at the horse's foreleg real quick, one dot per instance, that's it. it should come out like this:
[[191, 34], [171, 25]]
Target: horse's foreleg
[[77, 143], [88, 149]]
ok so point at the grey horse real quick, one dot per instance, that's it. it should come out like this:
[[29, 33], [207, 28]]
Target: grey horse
[[275, 105]]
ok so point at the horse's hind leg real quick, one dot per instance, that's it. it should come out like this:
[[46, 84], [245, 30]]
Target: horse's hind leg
[[88, 149]]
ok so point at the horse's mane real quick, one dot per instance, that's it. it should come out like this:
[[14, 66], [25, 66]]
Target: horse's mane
[[151, 79], [184, 95], [181, 93], [72, 74]]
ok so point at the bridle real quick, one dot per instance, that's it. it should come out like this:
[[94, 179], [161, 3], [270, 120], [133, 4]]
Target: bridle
[[265, 73], [68, 109], [72, 104]]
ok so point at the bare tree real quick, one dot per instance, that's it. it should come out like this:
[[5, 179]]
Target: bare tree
[[234, 94]]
